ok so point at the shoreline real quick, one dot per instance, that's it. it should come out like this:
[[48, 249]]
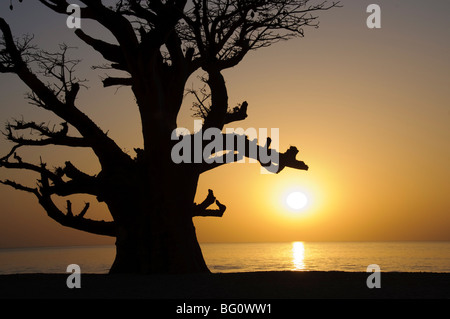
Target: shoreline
[[280, 285]]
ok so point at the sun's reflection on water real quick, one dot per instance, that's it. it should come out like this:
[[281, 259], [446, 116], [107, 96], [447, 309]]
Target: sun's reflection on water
[[298, 255]]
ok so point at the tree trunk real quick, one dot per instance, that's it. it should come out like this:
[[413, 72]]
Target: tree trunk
[[171, 249], [155, 230], [153, 206]]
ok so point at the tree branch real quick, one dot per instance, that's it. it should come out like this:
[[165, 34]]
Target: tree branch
[[77, 221], [41, 169], [53, 137], [224, 32], [69, 219], [110, 52], [239, 113], [79, 183], [60, 6], [201, 210], [20, 187], [105, 148], [219, 99], [111, 81], [241, 147]]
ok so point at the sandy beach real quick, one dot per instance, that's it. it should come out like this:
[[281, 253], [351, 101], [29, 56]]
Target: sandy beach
[[257, 285]]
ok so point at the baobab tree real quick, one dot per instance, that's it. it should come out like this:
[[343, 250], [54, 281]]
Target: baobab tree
[[159, 45]]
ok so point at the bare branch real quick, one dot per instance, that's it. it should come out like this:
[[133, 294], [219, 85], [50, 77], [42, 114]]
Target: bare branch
[[76, 221], [199, 106], [59, 67], [225, 31], [69, 219], [51, 136], [110, 52], [239, 113], [111, 81], [19, 186], [79, 183], [70, 213], [49, 98], [201, 210], [41, 169], [243, 147]]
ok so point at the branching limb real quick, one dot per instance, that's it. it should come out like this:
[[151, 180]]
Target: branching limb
[[57, 66], [225, 31], [60, 6], [110, 52], [201, 210], [76, 221], [21, 165], [50, 98], [95, 10], [44, 191], [238, 113], [241, 147], [79, 182], [51, 135], [201, 108], [20, 187], [52, 182], [70, 213], [70, 220]]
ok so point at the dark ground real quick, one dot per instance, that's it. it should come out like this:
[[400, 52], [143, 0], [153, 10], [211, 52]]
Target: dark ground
[[258, 285], [288, 294]]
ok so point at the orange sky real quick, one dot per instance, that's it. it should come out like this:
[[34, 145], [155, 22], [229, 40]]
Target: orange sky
[[368, 109]]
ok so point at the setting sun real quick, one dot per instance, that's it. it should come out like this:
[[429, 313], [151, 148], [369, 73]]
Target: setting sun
[[296, 200]]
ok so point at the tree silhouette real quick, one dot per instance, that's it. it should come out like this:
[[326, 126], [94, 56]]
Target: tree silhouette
[[160, 44]]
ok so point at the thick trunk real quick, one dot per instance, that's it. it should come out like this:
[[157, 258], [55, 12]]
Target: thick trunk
[[170, 249], [155, 231]]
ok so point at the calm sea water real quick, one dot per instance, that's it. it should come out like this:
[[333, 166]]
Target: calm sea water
[[244, 257]]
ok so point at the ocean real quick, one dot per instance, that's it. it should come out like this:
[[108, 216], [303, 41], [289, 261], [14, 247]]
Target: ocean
[[250, 257]]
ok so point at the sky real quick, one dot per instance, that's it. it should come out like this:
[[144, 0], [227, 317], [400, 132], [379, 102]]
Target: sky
[[369, 110]]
